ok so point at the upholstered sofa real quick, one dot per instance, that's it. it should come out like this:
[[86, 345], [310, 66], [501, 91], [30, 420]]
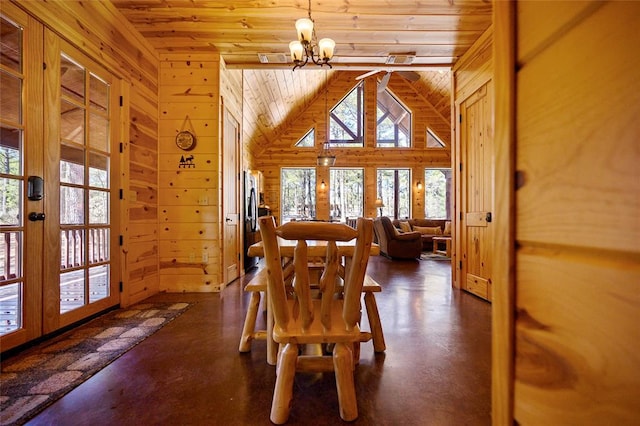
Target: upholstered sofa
[[394, 244], [427, 229]]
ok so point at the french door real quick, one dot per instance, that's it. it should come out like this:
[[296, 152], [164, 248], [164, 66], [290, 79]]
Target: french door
[[57, 178]]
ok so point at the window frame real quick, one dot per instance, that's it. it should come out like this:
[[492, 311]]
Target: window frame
[[312, 132], [333, 191], [312, 193], [434, 135], [448, 175], [393, 209], [358, 139], [409, 130]]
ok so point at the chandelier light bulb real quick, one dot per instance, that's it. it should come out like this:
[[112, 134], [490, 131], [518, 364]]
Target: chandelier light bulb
[[296, 50], [304, 26], [326, 47]]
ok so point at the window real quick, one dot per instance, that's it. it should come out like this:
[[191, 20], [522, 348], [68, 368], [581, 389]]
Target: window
[[298, 196], [393, 122], [433, 141], [346, 197], [308, 140], [437, 193], [394, 189], [346, 126]]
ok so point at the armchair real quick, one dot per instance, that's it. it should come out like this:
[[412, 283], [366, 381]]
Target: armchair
[[407, 245]]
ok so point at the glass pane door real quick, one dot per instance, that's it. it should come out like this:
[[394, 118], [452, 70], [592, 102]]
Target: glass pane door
[[21, 159], [79, 276], [11, 178], [85, 189], [56, 182]]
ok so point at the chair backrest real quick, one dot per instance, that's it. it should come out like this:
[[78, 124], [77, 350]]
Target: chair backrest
[[311, 239], [388, 227]]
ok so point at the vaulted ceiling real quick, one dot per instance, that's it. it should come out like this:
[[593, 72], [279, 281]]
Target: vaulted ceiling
[[425, 36]]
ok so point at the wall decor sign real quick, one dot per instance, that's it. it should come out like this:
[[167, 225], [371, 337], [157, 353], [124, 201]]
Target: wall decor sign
[[186, 162], [186, 139]]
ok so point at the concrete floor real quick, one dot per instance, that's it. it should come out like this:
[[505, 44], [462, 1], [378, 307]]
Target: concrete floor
[[436, 369]]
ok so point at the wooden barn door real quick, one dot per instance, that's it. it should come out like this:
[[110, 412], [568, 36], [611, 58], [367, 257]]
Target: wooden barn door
[[476, 142], [231, 173]]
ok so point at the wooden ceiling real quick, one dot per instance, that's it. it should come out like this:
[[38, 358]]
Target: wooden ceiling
[[434, 33]]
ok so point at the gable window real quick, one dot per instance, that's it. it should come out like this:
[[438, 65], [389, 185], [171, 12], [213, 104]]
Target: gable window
[[346, 194], [433, 141], [393, 122], [298, 194], [437, 193], [394, 189], [308, 140], [346, 125]]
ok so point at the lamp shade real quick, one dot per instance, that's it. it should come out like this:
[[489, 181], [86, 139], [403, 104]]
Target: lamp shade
[[379, 203], [326, 160], [304, 27], [296, 50], [326, 47]]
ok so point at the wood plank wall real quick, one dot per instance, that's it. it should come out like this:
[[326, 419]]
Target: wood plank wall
[[577, 213], [192, 90], [189, 200], [102, 33], [141, 229], [283, 153]]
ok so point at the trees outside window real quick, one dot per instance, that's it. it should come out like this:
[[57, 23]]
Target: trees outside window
[[393, 122], [298, 194], [394, 189], [346, 125], [346, 194], [308, 140], [437, 193], [10, 183]]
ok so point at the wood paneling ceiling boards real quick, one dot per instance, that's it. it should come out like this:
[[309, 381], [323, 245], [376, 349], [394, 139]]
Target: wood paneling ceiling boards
[[367, 32]]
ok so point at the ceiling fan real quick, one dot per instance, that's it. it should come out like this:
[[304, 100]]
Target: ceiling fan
[[408, 75]]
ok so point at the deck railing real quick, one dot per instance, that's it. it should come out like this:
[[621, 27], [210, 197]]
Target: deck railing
[[10, 246], [72, 243]]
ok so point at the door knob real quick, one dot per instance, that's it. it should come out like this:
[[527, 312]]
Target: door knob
[[33, 216]]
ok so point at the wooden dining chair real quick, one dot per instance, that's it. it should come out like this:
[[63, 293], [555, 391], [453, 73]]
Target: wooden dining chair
[[329, 318]]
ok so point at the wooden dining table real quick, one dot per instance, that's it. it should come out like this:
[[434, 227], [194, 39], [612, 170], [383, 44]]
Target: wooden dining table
[[315, 249]]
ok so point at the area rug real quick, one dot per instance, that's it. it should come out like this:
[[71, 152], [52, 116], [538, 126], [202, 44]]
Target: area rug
[[425, 255], [35, 378]]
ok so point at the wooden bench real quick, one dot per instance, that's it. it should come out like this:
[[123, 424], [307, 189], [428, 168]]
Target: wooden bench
[[258, 284]]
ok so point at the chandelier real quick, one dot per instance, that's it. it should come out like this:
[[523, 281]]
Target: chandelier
[[304, 49]]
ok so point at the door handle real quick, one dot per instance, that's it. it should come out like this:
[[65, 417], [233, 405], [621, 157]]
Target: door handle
[[228, 219], [488, 217], [33, 216]]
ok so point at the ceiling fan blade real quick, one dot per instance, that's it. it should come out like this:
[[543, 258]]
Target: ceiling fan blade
[[367, 74], [410, 75], [384, 82]]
